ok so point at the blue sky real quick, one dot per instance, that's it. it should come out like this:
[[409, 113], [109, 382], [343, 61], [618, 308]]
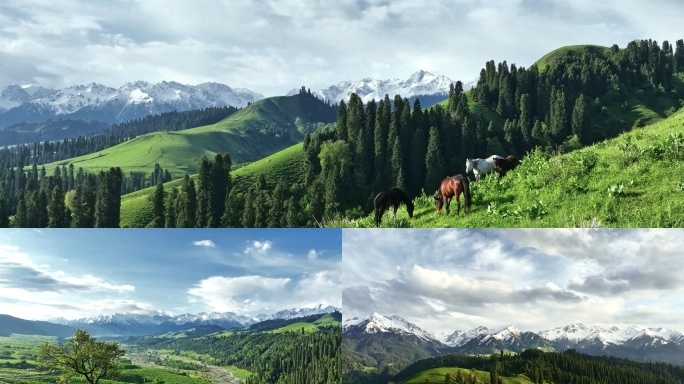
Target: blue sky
[[535, 279], [75, 273], [273, 46]]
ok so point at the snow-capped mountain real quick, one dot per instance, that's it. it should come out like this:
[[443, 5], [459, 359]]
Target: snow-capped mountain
[[112, 105], [292, 313], [576, 334], [420, 84], [137, 324], [377, 323]]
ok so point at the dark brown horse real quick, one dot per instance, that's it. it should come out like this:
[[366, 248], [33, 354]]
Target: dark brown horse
[[502, 166], [393, 197], [451, 187]]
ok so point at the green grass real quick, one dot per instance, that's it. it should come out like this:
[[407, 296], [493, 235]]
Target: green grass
[[297, 327], [287, 165], [634, 180], [545, 61], [239, 372], [142, 375], [180, 151], [327, 321], [437, 375]]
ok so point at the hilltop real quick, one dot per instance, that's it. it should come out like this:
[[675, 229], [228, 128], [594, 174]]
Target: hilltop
[[256, 131]]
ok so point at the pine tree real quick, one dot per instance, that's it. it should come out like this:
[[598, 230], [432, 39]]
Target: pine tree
[[418, 153], [525, 121], [170, 208], [382, 125], [158, 209], [4, 218], [559, 117], [221, 183], [84, 203], [342, 132], [20, 217], [581, 125], [292, 216], [56, 208], [232, 214], [203, 216], [396, 162], [434, 162], [276, 214], [186, 207]]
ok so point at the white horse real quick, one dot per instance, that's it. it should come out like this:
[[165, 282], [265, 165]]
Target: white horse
[[481, 167]]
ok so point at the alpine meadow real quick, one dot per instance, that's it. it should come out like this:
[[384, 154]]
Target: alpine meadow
[[594, 134]]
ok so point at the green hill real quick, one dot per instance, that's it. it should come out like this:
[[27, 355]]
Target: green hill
[[254, 132], [634, 180], [438, 375], [569, 51], [288, 165]]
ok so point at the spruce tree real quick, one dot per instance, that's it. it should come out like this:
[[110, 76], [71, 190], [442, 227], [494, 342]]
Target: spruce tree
[[232, 214], [581, 125], [292, 216], [4, 217], [396, 162], [56, 208], [158, 198], [276, 213], [434, 162], [221, 184], [187, 204], [203, 216], [170, 208], [418, 153]]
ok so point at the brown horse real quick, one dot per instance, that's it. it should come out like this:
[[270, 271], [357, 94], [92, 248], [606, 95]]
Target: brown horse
[[453, 186], [392, 197], [502, 166]]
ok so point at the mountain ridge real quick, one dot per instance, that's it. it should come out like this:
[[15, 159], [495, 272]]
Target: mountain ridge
[[422, 84], [114, 105]]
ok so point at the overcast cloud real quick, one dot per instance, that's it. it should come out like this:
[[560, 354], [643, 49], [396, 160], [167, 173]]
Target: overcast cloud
[[80, 273], [272, 46], [444, 280]]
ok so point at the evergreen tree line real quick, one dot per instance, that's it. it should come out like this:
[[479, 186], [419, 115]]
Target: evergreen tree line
[[288, 357], [555, 367], [81, 200], [376, 146], [51, 151], [212, 200]]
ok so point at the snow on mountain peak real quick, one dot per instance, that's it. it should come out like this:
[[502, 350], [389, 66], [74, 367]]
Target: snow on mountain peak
[[419, 83], [377, 323]]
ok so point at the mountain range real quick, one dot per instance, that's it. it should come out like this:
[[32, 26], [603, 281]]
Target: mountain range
[[130, 324], [634, 342], [112, 105], [34, 104], [429, 88]]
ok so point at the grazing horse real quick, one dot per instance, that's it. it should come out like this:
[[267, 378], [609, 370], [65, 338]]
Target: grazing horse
[[502, 166], [453, 186], [393, 197], [481, 167]]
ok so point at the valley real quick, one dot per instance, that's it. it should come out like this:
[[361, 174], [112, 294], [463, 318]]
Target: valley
[[203, 353]]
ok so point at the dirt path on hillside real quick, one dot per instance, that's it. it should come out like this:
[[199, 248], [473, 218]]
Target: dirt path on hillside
[[212, 373]]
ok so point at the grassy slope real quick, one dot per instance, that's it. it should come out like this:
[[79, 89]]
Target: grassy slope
[[437, 375], [573, 189], [548, 59], [136, 209], [180, 151]]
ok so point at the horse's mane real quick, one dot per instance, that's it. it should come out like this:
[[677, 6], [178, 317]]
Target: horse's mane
[[404, 196]]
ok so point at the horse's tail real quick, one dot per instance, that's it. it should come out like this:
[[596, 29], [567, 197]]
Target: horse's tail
[[466, 193]]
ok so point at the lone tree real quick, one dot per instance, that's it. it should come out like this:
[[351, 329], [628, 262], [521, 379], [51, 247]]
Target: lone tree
[[82, 355]]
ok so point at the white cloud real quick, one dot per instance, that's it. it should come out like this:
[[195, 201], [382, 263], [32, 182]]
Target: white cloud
[[229, 293], [260, 247], [205, 243], [312, 254], [272, 47]]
